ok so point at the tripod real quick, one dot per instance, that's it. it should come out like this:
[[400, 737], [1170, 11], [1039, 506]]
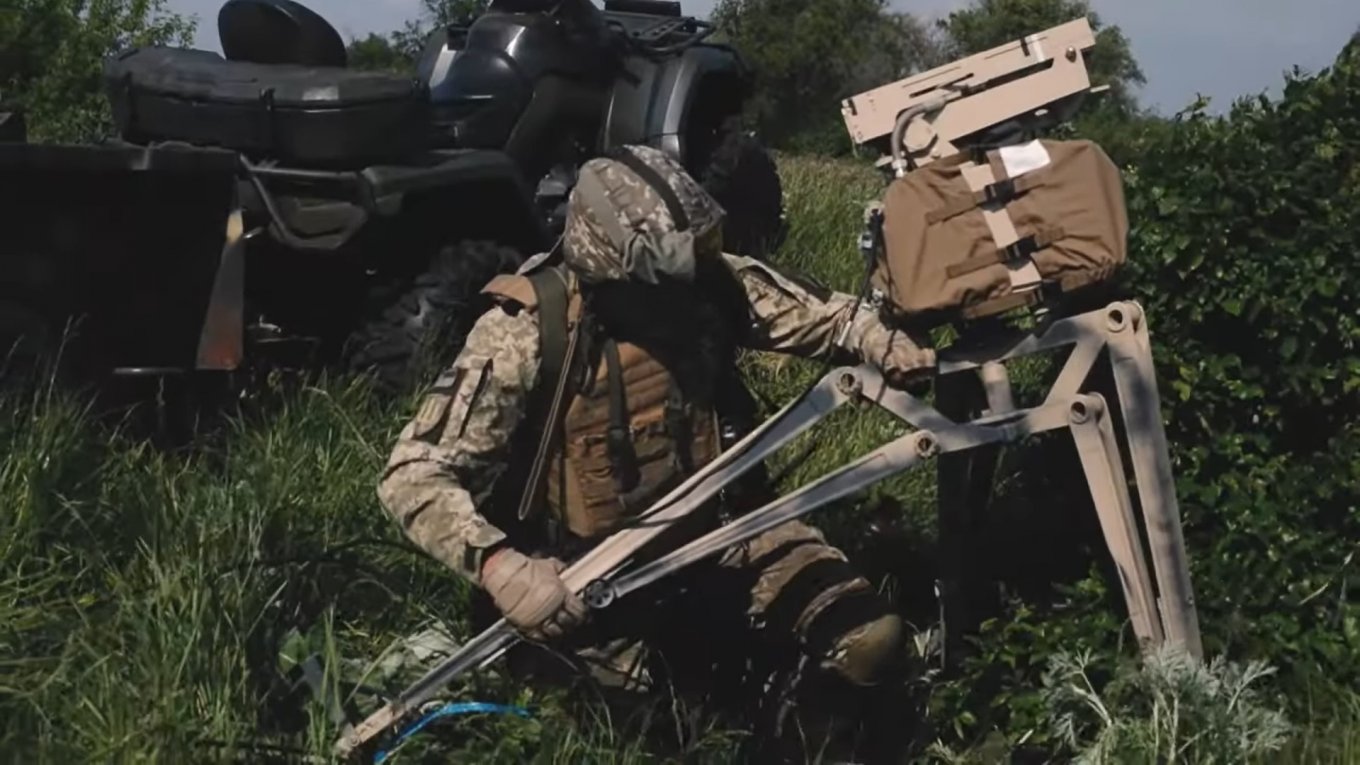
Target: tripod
[[1161, 607]]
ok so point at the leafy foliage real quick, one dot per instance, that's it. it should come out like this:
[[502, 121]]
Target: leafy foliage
[[815, 52], [1244, 241], [378, 53], [399, 51], [51, 53]]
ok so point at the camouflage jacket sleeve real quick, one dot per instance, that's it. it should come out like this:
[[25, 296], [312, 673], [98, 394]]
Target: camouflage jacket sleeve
[[791, 315], [449, 455]]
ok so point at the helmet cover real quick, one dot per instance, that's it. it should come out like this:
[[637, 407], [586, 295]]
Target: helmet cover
[[638, 216]]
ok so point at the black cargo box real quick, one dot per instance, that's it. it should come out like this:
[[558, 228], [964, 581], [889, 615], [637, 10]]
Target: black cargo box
[[295, 114], [124, 242]]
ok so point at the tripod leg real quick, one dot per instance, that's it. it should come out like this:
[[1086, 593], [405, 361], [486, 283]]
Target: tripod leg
[[1136, 382], [1100, 459], [964, 481], [884, 462]]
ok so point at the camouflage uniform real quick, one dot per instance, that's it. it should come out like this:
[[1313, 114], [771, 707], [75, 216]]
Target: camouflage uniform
[[439, 481]]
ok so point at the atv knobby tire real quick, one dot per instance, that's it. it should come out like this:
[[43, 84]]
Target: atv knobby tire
[[423, 328], [742, 176]]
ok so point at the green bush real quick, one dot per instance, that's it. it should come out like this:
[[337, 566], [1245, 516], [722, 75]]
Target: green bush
[[1244, 233], [51, 53]]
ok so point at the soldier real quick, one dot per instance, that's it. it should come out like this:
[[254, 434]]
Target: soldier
[[503, 473]]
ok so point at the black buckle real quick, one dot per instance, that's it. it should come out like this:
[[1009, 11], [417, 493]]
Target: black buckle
[[1001, 191], [871, 236], [1021, 248], [682, 436], [626, 475]]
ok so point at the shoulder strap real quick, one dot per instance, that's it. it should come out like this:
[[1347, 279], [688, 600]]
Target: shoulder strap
[[559, 310]]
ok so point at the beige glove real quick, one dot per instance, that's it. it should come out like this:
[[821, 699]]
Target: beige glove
[[531, 595], [892, 351]]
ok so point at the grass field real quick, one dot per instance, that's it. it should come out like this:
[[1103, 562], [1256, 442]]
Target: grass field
[[145, 594]]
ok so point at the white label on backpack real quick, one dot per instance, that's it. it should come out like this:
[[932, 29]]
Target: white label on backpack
[[1021, 159]]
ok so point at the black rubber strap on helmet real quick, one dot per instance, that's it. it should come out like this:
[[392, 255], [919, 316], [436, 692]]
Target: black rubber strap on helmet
[[654, 179]]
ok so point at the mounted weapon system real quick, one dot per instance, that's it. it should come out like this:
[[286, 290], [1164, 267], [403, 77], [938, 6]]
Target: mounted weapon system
[[1008, 237]]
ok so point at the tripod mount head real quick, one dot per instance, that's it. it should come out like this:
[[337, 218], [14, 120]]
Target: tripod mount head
[[990, 98]]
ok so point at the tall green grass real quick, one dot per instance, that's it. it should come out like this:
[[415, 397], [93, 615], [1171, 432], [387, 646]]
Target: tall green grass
[[145, 594]]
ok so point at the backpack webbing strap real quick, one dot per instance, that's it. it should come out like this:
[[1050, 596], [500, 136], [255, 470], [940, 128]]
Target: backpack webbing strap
[[1002, 192], [1018, 250], [618, 437], [680, 427], [559, 324]]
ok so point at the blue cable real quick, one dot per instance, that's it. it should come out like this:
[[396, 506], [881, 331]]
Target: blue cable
[[448, 710]]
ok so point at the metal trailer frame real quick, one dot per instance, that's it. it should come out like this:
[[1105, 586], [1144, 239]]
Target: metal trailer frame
[[1159, 597]]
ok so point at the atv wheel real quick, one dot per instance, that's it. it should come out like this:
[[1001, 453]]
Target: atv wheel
[[743, 177], [424, 326]]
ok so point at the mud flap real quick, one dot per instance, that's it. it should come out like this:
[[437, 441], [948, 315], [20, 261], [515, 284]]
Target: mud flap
[[220, 344]]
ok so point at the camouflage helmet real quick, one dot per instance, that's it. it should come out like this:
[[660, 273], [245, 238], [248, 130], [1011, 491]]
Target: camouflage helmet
[[637, 215]]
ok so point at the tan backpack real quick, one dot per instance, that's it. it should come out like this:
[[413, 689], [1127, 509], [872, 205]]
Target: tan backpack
[[966, 239]]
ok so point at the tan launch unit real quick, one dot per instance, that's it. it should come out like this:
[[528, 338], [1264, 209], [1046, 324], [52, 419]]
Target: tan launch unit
[[1105, 394], [1039, 79], [979, 219]]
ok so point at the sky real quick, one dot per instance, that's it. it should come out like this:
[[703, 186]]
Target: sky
[[1223, 49]]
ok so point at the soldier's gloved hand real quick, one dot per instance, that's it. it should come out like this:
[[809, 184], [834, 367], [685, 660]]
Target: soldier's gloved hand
[[892, 351], [531, 595]]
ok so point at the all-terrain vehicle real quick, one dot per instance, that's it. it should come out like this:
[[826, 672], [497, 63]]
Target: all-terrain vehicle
[[352, 216]]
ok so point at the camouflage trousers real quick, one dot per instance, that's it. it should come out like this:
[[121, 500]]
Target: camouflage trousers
[[782, 596]]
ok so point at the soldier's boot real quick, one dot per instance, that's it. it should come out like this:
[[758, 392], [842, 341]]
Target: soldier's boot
[[868, 654], [804, 587], [855, 647], [859, 709]]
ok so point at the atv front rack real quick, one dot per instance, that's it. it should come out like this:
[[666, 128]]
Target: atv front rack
[[1161, 611]]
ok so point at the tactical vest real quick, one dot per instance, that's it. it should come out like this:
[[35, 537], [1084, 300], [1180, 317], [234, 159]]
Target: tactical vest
[[616, 425]]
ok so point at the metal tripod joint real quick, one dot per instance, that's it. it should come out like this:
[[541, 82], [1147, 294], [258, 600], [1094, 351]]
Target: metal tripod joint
[[1086, 408], [1123, 316]]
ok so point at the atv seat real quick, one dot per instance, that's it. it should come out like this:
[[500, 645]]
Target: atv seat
[[296, 114], [278, 32]]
